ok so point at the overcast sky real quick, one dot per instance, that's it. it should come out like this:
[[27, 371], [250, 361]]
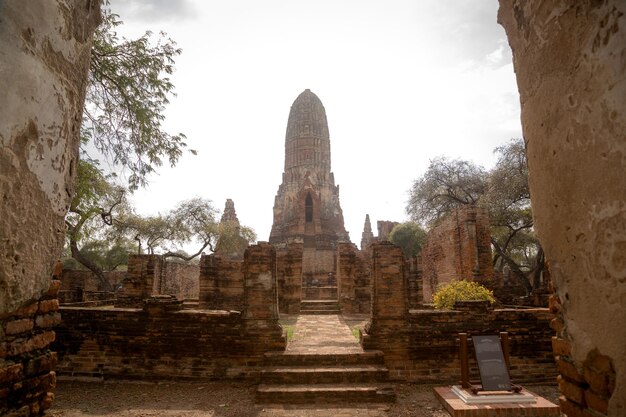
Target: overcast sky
[[402, 83]]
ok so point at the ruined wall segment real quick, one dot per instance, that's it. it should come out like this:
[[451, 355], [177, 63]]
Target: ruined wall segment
[[44, 57], [569, 62], [459, 247]]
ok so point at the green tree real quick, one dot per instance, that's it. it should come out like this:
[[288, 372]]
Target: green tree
[[410, 236], [128, 89], [95, 201], [508, 199], [191, 222], [504, 191], [446, 185]]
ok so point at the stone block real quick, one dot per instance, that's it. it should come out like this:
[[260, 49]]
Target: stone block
[[48, 320], [19, 326], [46, 306], [39, 341]]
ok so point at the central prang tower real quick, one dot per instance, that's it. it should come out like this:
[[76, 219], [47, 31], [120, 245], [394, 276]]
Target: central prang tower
[[306, 208]]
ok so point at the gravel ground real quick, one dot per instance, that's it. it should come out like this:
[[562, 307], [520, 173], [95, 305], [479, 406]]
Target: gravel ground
[[226, 399]]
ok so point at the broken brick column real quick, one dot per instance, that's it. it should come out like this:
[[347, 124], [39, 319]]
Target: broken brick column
[[388, 329], [142, 277], [346, 270], [260, 313]]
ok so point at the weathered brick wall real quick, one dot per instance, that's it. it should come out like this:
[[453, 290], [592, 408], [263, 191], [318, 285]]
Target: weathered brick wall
[[427, 349], [27, 377], [132, 343], [221, 283], [421, 345], [353, 279], [180, 279], [459, 247], [289, 277], [141, 281], [72, 279], [162, 340]]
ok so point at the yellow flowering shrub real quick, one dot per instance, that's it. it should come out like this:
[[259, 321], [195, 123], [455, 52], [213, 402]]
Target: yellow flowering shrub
[[448, 294]]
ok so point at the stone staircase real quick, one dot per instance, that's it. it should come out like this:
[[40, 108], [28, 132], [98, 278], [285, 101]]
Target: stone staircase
[[319, 307], [349, 377]]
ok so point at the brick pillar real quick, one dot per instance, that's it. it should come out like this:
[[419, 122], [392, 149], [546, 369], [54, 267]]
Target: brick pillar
[[221, 283], [289, 277], [389, 298], [260, 298], [388, 329], [346, 271], [414, 282], [142, 277]]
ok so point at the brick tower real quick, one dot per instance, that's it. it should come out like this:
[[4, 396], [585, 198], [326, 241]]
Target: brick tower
[[306, 208]]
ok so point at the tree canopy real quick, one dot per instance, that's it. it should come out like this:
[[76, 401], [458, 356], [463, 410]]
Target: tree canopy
[[128, 89], [447, 184], [503, 191], [410, 236]]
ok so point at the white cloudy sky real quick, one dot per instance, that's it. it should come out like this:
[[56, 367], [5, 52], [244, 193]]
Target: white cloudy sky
[[402, 81]]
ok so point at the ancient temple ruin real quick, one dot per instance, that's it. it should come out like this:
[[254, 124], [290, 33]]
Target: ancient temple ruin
[[307, 213]]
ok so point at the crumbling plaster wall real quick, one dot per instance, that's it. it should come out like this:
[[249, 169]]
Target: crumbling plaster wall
[[44, 56], [570, 62]]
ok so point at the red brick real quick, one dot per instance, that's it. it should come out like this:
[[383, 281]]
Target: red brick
[[554, 303], [11, 373], [27, 311], [53, 290], [598, 382], [560, 346], [19, 326], [601, 363], [47, 306], [41, 364], [572, 391], [596, 402], [569, 408], [568, 370], [46, 401], [48, 320], [38, 341], [557, 325]]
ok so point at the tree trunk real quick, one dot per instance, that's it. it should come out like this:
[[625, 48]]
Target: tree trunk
[[76, 254], [514, 267]]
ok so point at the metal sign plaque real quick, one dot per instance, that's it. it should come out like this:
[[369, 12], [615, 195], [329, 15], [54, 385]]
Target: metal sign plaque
[[494, 374]]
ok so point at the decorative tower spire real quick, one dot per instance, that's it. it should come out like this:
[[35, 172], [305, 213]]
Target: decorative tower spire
[[306, 208], [367, 236], [230, 243], [230, 215]]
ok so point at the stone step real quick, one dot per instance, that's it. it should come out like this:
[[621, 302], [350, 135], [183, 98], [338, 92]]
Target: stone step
[[337, 374], [319, 293], [319, 312], [318, 304], [327, 393], [370, 357]]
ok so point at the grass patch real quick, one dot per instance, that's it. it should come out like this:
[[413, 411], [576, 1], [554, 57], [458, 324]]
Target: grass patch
[[289, 331], [355, 333]]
